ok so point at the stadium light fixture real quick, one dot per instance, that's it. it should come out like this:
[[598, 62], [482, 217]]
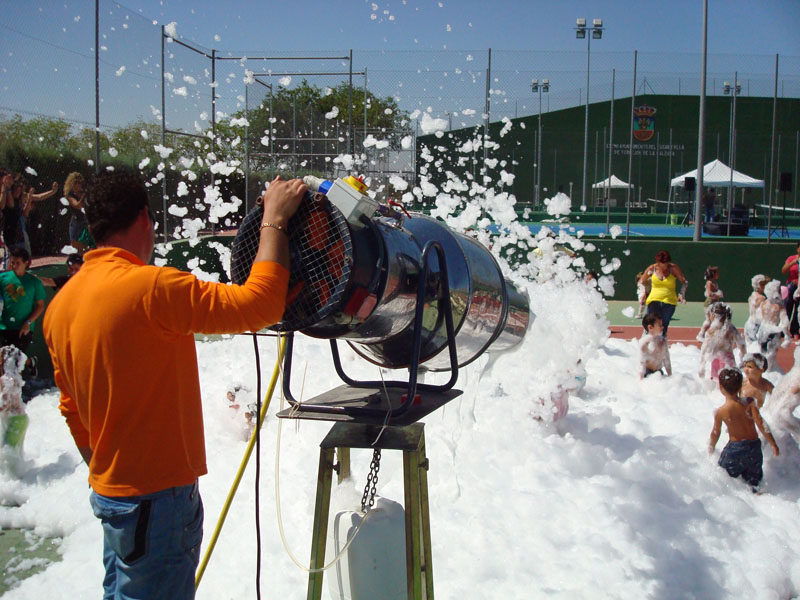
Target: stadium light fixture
[[580, 33], [536, 87]]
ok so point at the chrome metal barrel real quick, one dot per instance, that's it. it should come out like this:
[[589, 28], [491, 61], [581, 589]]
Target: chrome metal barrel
[[482, 301], [360, 284]]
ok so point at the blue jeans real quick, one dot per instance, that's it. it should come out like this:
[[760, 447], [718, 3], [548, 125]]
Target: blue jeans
[[709, 208], [663, 310], [151, 543]]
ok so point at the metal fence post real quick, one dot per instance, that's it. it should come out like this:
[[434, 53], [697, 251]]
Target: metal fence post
[[701, 134], [487, 114], [772, 152], [611, 152], [163, 141], [630, 152], [350, 149], [97, 87], [246, 149]]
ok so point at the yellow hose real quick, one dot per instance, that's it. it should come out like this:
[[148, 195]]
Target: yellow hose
[[245, 459]]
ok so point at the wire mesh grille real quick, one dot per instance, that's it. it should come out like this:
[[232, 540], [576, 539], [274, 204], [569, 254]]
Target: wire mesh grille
[[321, 259]]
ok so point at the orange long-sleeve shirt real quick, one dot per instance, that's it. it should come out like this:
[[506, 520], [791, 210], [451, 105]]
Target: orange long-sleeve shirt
[[121, 337]]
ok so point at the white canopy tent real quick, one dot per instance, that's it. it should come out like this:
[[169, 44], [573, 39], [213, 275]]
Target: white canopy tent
[[718, 174], [612, 183], [615, 184]]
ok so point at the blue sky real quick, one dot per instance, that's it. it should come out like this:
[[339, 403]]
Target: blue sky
[[741, 26], [424, 53]]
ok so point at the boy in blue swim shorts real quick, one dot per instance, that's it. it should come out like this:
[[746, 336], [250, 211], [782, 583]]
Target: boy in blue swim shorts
[[742, 455]]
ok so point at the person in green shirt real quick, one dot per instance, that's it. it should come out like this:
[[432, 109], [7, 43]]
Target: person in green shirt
[[23, 300]]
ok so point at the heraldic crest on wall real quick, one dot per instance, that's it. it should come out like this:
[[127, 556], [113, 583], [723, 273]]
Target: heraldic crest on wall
[[644, 123]]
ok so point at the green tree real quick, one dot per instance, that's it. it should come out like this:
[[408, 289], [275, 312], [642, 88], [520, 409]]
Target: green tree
[[136, 140], [308, 122], [85, 140], [45, 132]]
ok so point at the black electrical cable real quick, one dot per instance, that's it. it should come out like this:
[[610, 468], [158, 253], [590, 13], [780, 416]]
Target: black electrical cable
[[258, 466]]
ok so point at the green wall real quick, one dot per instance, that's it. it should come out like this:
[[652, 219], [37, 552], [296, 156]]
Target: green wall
[[563, 136], [738, 261]]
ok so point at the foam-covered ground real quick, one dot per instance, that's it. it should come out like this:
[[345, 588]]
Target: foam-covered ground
[[619, 499]]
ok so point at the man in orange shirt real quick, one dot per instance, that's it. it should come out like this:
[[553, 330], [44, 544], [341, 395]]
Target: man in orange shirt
[[121, 335]]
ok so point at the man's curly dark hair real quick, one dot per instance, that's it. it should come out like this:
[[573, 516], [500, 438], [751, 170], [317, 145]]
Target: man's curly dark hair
[[113, 203]]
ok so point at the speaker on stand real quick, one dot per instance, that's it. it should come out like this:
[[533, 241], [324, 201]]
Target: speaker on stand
[[689, 186], [784, 185]]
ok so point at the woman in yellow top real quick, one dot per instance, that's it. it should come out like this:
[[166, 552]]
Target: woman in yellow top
[[663, 276]]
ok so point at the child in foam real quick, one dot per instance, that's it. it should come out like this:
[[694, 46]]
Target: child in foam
[[642, 291], [713, 294], [653, 349], [785, 400], [754, 303], [13, 420], [755, 386], [712, 291], [552, 405], [773, 332], [742, 454], [721, 339]]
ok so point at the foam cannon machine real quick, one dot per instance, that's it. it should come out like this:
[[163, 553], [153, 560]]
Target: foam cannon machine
[[402, 289], [405, 292]]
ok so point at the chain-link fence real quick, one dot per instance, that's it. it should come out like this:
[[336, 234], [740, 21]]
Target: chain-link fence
[[207, 127]]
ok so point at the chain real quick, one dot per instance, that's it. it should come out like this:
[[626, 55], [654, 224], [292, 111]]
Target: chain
[[368, 498]]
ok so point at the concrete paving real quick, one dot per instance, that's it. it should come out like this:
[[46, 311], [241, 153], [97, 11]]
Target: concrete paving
[[22, 554]]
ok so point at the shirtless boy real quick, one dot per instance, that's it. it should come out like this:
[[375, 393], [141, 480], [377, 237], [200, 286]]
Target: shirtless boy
[[742, 454], [754, 385], [653, 348]]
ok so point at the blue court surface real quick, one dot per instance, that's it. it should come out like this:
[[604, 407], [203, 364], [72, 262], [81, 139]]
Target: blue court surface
[[647, 230]]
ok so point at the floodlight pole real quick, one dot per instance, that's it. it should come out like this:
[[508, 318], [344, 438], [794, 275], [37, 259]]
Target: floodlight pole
[[701, 133], [610, 153], [581, 31], [772, 154], [586, 119], [630, 153], [539, 153], [539, 87], [734, 91]]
